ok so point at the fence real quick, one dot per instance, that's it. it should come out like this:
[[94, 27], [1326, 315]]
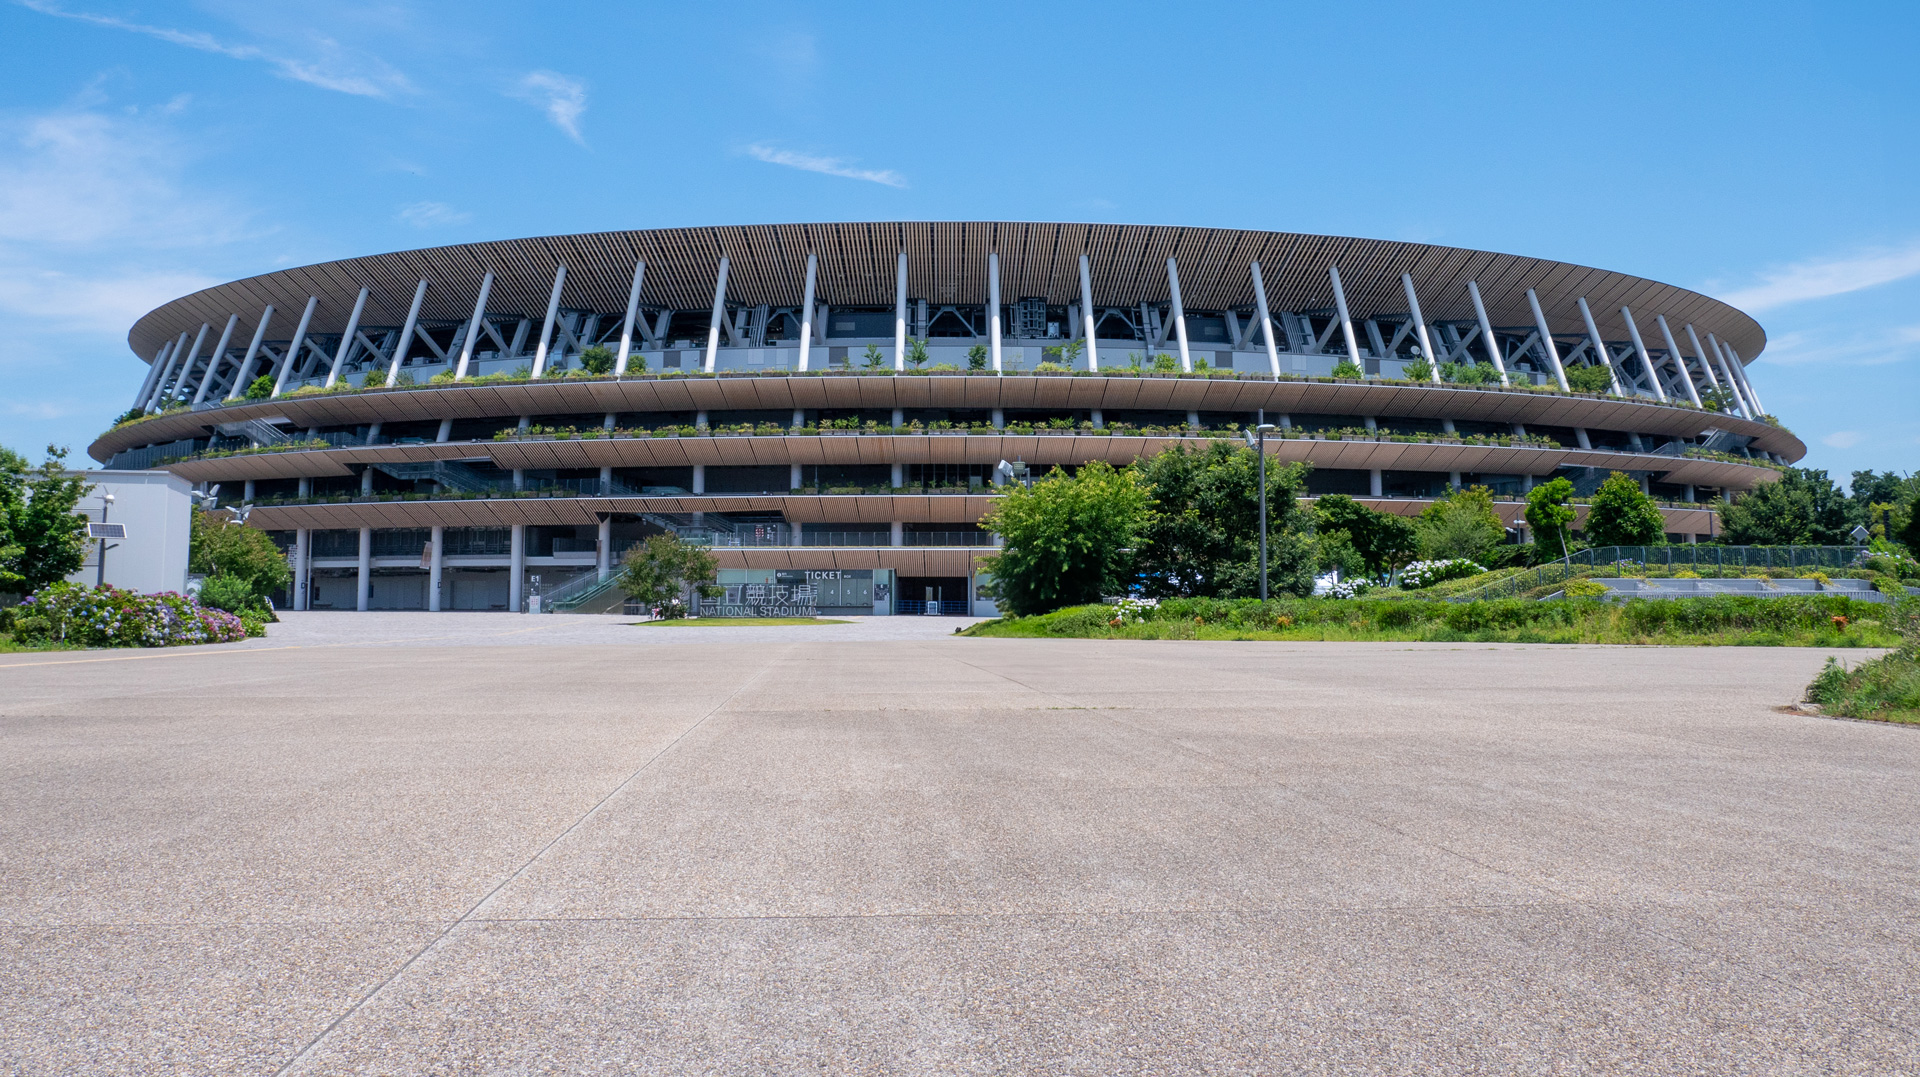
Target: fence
[[1705, 559]]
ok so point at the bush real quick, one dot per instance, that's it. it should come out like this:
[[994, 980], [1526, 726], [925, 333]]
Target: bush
[[109, 617], [1590, 379], [597, 359], [229, 592], [375, 379], [261, 388], [1427, 573], [1347, 368]]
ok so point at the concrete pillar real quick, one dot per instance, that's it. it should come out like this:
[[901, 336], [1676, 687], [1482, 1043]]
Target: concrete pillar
[[1645, 488], [519, 478], [899, 417], [606, 481], [699, 478], [373, 434], [1519, 430], [364, 590], [366, 483], [899, 475], [1099, 419], [607, 423], [1689, 493], [1375, 483], [1447, 427], [999, 419], [306, 487], [899, 533], [1370, 422], [1285, 422], [1526, 484], [302, 543], [517, 574], [435, 568], [1580, 436], [604, 559], [1453, 479], [793, 477], [446, 430], [700, 419], [246, 492], [1193, 420], [799, 418]]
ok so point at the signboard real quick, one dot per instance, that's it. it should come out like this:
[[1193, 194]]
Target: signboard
[[106, 531], [798, 593]]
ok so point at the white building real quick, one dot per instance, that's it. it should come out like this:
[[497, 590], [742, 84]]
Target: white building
[[157, 509]]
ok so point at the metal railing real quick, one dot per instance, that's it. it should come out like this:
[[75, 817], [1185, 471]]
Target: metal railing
[[1632, 560]]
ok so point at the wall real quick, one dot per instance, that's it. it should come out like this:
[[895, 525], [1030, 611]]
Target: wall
[[158, 511]]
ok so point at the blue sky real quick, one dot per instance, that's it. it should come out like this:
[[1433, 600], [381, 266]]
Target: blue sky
[[1762, 153]]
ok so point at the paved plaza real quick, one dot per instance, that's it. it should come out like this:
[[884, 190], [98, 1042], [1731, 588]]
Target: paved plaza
[[511, 845]]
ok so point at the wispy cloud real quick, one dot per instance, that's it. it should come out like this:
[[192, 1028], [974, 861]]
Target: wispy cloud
[[1839, 346], [1843, 439], [1822, 277], [831, 166], [332, 68], [431, 214], [563, 99]]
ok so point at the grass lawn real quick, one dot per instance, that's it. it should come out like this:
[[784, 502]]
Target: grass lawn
[[740, 622]]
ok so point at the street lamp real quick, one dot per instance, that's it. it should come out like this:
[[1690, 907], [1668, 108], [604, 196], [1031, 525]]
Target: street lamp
[[1257, 441], [100, 559]]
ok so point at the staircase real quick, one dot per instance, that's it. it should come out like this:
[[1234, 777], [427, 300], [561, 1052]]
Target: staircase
[[450, 474], [258, 431]]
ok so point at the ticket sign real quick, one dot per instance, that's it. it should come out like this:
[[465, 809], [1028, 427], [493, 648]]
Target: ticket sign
[[798, 593]]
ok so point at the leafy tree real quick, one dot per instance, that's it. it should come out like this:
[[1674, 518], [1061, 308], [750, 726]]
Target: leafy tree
[[1464, 373], [1461, 524], [1205, 536], [261, 388], [1417, 370], [916, 352], [375, 379], [597, 359], [44, 538], [1717, 399], [664, 571], [1347, 368], [1589, 379], [1067, 537], [1550, 516], [218, 546], [1621, 515], [1804, 508], [1164, 363], [1880, 488], [977, 357], [874, 360], [1334, 550], [1383, 541]]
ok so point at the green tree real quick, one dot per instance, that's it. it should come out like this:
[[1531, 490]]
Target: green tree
[[261, 387], [873, 358], [1621, 515], [597, 359], [1804, 508], [218, 546], [916, 352], [1067, 537], [1347, 368], [1462, 523], [1417, 370], [664, 571], [977, 357], [45, 538], [1590, 379], [1205, 536], [1550, 516], [1383, 541]]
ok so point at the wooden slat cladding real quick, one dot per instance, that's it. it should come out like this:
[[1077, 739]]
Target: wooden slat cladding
[[947, 263]]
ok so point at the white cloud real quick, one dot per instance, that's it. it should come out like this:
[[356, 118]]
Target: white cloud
[[1823, 277], [563, 98], [1838, 346], [431, 214], [1843, 439], [832, 166], [331, 67]]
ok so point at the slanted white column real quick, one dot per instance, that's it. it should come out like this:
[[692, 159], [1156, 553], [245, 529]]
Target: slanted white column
[[993, 310], [153, 375], [1266, 319], [435, 570], [1420, 329], [213, 361], [302, 564], [446, 430], [603, 559], [1546, 340], [292, 355], [719, 312], [806, 314], [1486, 332], [1346, 317], [1599, 345], [245, 374], [626, 326], [346, 339], [546, 326], [407, 327], [1086, 314], [517, 560], [166, 375], [1706, 364], [1740, 372], [1726, 373], [1646, 361], [900, 314], [186, 367], [472, 334], [1679, 361], [1179, 316], [364, 581]]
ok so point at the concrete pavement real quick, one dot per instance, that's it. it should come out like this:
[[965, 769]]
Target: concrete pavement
[[793, 854]]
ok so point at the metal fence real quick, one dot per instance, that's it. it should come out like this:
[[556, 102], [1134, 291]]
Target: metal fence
[[1632, 560]]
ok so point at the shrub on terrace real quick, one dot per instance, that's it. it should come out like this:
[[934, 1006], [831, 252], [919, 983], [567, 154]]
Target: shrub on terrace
[[1590, 379], [1347, 368]]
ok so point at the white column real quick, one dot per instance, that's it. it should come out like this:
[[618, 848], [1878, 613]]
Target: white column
[[1599, 345], [794, 478], [1179, 316], [517, 559], [993, 308], [406, 333], [806, 312], [719, 312], [1546, 340], [899, 533], [364, 582], [186, 367], [1733, 385], [245, 373], [1420, 328], [1086, 314], [546, 326], [473, 327], [1679, 361], [161, 360], [435, 568], [604, 556], [1266, 319], [699, 478], [1706, 364], [213, 361], [166, 374], [1376, 484], [1646, 361], [293, 348], [1740, 371], [626, 326], [302, 543], [1486, 332], [346, 339], [899, 474], [900, 314], [1346, 319]]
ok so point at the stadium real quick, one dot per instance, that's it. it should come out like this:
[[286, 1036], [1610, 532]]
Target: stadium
[[832, 406]]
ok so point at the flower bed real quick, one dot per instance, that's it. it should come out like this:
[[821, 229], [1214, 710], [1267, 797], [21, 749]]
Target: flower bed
[[110, 617]]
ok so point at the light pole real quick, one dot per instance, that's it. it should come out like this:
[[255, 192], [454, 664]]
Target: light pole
[[100, 560], [1257, 441]]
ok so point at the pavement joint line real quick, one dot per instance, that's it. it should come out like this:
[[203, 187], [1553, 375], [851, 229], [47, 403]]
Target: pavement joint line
[[467, 916], [158, 652]]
